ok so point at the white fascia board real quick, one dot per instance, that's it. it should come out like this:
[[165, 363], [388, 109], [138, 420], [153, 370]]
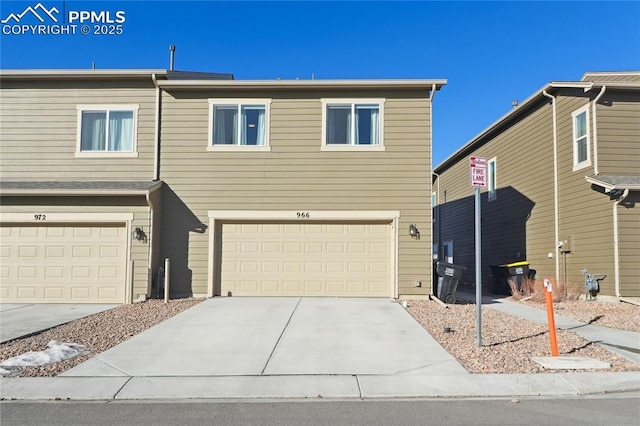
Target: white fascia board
[[299, 84], [74, 192], [89, 73], [609, 186]]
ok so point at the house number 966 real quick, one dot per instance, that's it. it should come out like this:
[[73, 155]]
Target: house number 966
[[302, 215], [39, 217]]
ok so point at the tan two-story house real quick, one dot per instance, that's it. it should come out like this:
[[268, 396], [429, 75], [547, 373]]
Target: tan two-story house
[[563, 187], [313, 188]]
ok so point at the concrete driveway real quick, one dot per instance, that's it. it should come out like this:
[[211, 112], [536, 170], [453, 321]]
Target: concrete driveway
[[22, 319], [278, 336]]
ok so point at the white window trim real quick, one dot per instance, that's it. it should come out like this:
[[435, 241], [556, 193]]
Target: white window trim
[[103, 154], [241, 101], [327, 101], [587, 162], [492, 195]]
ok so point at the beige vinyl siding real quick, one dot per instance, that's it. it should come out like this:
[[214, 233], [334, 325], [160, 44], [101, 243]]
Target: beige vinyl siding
[[585, 215], [629, 234], [39, 124], [618, 117], [524, 152], [518, 224], [295, 175], [139, 251]]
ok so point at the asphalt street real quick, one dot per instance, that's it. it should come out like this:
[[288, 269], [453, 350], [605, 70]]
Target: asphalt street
[[620, 410]]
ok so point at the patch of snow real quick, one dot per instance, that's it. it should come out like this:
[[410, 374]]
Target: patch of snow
[[55, 352]]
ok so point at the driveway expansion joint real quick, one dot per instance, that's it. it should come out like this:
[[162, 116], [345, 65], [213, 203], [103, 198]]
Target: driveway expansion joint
[[280, 337], [115, 396]]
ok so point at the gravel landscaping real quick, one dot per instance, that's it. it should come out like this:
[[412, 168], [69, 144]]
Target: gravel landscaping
[[620, 315], [508, 342], [97, 332]]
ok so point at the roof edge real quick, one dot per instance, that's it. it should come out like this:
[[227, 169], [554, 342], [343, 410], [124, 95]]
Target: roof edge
[[18, 192], [603, 73], [520, 109], [295, 84], [596, 180], [88, 74]]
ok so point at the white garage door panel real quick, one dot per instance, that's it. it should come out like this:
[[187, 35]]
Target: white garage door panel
[[307, 259], [63, 264]]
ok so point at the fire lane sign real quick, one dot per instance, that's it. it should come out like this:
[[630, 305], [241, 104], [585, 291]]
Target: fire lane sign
[[478, 172]]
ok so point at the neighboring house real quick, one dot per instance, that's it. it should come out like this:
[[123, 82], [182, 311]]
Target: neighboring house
[[248, 187], [563, 187], [78, 178]]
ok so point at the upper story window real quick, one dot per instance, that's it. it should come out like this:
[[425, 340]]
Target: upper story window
[[352, 124], [107, 130], [492, 193], [581, 154], [239, 124]]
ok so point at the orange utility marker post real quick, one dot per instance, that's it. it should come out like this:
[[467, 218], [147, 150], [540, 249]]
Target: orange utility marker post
[[550, 317]]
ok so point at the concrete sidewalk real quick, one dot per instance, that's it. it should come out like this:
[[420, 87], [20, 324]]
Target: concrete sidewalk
[[329, 386], [622, 342], [23, 319], [242, 348]]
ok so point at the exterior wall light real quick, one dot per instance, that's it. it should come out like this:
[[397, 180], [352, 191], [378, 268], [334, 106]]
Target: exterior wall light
[[413, 231], [139, 235]]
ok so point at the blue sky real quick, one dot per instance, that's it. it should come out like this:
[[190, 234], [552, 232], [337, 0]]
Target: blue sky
[[491, 52]]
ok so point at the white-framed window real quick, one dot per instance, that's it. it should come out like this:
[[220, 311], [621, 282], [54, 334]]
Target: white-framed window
[[352, 124], [491, 170], [447, 249], [107, 131], [581, 154], [239, 124]]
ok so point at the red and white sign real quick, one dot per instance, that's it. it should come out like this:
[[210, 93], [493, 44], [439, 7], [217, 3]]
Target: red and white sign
[[478, 172]]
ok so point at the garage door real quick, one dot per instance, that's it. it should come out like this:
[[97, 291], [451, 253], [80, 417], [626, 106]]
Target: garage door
[[63, 264], [311, 259]]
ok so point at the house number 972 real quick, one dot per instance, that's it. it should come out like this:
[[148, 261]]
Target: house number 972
[[303, 215], [39, 217]]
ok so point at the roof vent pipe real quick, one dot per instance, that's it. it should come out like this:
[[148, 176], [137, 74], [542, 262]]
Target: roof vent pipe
[[172, 48]]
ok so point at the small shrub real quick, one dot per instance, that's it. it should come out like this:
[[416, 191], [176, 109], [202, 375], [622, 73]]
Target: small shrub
[[535, 291]]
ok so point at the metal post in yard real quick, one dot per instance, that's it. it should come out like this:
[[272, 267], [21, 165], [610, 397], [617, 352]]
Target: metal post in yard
[[166, 280], [478, 271], [550, 317]]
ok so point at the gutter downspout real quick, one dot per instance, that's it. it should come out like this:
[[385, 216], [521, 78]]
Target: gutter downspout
[[556, 207], [156, 153], [156, 177], [616, 243], [596, 170], [432, 95], [150, 242]]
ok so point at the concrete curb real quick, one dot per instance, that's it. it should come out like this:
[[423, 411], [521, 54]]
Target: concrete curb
[[301, 386]]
